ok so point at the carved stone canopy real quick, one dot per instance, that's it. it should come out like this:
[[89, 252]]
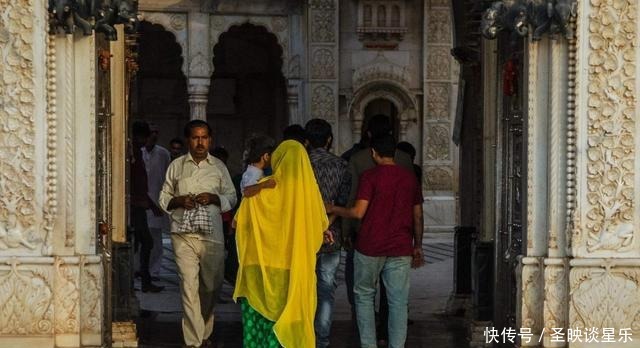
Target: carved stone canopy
[[523, 16]]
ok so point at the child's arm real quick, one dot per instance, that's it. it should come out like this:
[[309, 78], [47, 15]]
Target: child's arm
[[253, 190], [355, 212]]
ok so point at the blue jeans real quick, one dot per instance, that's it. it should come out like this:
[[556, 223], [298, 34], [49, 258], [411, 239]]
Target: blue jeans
[[326, 270], [395, 275]]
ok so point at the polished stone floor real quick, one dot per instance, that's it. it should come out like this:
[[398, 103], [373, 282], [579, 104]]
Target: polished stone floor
[[159, 325]]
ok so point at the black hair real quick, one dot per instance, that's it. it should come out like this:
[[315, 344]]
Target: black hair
[[220, 153], [294, 132], [177, 141], [196, 124], [384, 145], [257, 146], [318, 132], [140, 129], [407, 148], [379, 125]]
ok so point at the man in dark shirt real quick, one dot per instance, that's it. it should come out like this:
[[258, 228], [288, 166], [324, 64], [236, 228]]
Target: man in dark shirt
[[389, 242], [334, 183], [140, 201]]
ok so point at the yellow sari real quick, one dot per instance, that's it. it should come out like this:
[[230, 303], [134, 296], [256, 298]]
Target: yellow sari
[[278, 233]]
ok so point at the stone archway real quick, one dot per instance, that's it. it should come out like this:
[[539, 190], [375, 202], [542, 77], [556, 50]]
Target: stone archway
[[176, 23], [248, 91], [399, 96], [159, 92]]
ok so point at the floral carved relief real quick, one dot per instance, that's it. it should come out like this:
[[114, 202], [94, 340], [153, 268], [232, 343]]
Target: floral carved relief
[[91, 299], [322, 64], [532, 297], [178, 21], [438, 179], [66, 298], [322, 102], [17, 211], [438, 63], [438, 101], [437, 144], [439, 26], [605, 297], [555, 298], [322, 26], [611, 126], [25, 301]]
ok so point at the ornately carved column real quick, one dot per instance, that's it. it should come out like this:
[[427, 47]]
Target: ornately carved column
[[200, 59], [605, 271], [198, 90], [323, 19], [533, 268], [51, 286], [556, 273]]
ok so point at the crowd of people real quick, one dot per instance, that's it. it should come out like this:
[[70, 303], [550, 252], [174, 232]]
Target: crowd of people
[[277, 231]]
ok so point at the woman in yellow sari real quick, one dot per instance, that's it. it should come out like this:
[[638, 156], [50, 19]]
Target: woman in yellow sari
[[278, 233]]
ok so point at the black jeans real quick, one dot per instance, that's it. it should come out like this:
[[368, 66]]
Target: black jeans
[[143, 239]]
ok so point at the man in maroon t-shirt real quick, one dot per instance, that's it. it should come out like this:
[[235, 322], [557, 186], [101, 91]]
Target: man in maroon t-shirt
[[389, 242]]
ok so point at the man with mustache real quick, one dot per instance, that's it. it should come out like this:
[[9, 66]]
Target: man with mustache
[[197, 189]]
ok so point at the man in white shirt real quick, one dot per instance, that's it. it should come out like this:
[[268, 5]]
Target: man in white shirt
[[156, 160], [198, 180]]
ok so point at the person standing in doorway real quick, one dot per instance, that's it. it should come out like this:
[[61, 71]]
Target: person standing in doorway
[[140, 202], [197, 189], [334, 182], [389, 242], [156, 161]]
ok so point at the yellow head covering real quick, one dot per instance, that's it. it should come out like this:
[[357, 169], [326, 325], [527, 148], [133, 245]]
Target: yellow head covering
[[279, 232]]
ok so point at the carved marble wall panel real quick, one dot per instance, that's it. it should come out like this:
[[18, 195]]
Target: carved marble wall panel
[[22, 127], [607, 129], [439, 26], [438, 105], [26, 299], [556, 296], [438, 63], [438, 139], [322, 102], [323, 64], [532, 297], [438, 178], [605, 296], [59, 297]]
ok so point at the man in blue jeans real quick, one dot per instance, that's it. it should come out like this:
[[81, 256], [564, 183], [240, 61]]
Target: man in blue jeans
[[334, 182], [389, 242]]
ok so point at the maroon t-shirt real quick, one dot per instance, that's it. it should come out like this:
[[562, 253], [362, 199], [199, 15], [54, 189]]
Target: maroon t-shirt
[[387, 226]]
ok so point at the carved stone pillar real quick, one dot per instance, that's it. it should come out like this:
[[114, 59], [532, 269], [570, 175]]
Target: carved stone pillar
[[51, 276], [198, 90], [531, 304], [323, 61], [293, 100]]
